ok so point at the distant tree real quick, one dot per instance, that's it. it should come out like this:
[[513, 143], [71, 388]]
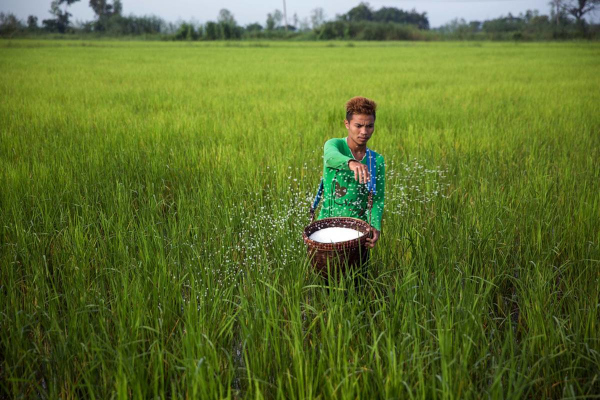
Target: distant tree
[[186, 31], [9, 24], [556, 8], [459, 28], [133, 25], [32, 23], [504, 27], [278, 17], [67, 2], [475, 26], [227, 26], [392, 14], [557, 13], [270, 22], [317, 17], [529, 15], [290, 28], [304, 24], [539, 20], [60, 23], [255, 27], [389, 14], [579, 8], [211, 31], [540, 26], [361, 12], [102, 8], [420, 20], [274, 20], [295, 20], [236, 32], [332, 30], [226, 17], [366, 30], [227, 31], [117, 7], [104, 12]]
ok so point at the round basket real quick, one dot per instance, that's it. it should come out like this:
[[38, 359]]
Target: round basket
[[341, 256]]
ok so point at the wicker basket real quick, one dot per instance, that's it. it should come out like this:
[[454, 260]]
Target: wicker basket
[[341, 256]]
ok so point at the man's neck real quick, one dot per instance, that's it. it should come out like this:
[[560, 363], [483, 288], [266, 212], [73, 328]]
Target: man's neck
[[355, 148]]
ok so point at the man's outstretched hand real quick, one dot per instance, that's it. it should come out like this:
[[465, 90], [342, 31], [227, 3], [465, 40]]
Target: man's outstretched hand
[[361, 171], [373, 238]]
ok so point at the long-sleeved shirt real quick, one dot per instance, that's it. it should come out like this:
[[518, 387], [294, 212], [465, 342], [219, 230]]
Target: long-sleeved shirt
[[343, 196]]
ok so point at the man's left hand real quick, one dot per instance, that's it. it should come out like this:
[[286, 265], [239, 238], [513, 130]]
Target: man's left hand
[[373, 238]]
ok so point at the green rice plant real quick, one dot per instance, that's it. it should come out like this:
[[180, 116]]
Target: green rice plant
[[153, 197]]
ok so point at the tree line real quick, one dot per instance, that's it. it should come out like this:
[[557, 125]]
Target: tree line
[[566, 20]]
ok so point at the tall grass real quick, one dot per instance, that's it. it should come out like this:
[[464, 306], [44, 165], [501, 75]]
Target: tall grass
[[153, 197]]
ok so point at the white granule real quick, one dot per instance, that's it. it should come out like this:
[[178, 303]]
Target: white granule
[[334, 235]]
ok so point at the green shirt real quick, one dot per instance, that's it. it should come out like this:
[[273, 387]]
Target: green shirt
[[343, 196]]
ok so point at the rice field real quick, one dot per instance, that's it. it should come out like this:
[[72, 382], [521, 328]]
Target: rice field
[[153, 196]]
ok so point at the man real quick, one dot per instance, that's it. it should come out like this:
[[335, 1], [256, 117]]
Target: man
[[346, 170]]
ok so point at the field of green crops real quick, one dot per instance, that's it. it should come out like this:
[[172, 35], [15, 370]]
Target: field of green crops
[[153, 195]]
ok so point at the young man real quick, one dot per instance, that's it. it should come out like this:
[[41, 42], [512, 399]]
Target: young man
[[346, 170]]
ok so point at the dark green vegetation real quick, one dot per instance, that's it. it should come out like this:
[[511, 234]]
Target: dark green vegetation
[[153, 197], [567, 19]]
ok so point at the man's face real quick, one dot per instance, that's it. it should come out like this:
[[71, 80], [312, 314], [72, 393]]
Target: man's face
[[360, 128]]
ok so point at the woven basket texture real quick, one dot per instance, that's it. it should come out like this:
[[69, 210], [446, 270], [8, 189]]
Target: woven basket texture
[[340, 257]]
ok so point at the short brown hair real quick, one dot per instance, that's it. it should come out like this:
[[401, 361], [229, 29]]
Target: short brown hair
[[360, 105]]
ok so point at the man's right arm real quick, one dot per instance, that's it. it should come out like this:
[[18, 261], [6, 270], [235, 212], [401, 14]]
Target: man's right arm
[[333, 156]]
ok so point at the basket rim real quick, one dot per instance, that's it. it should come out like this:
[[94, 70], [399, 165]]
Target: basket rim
[[337, 245]]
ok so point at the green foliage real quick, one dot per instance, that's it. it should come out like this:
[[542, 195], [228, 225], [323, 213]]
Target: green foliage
[[9, 24], [503, 25], [359, 23], [108, 16], [270, 22], [460, 29], [187, 32], [117, 7], [274, 20], [32, 23], [212, 31], [133, 25], [361, 12], [255, 27], [366, 30], [101, 8], [222, 31], [60, 23], [317, 17], [364, 13], [579, 8], [152, 206], [230, 31], [226, 17], [119, 25], [530, 25], [391, 14]]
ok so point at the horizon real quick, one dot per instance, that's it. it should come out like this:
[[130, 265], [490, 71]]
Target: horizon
[[439, 12]]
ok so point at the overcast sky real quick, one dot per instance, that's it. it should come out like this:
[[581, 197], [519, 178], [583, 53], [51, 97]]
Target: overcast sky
[[245, 12]]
